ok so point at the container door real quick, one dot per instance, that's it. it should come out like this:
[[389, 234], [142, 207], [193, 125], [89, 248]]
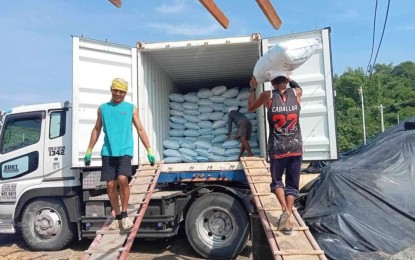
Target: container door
[[317, 117], [95, 65]]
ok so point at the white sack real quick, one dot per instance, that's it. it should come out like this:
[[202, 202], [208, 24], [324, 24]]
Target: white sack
[[285, 56]]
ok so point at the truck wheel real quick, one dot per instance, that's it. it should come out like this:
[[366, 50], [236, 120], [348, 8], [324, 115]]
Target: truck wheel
[[45, 225], [217, 226]]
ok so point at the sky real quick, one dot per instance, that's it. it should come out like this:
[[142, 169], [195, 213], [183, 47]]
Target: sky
[[36, 43]]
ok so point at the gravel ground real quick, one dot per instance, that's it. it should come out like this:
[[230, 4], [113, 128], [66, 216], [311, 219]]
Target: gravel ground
[[13, 247]]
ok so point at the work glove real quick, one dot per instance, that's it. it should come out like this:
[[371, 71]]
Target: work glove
[[150, 156], [87, 158]]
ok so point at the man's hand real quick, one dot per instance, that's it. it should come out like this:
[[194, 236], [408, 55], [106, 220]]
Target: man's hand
[[87, 157], [150, 156], [253, 83]]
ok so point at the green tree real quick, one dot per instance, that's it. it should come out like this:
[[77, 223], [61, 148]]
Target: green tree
[[393, 87]]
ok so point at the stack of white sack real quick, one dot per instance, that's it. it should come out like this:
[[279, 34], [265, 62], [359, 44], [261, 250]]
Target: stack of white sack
[[198, 125], [285, 56]]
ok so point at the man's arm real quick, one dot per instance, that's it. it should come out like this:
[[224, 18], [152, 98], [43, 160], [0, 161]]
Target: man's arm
[[296, 87], [229, 125], [253, 102], [96, 131], [140, 129], [143, 136]]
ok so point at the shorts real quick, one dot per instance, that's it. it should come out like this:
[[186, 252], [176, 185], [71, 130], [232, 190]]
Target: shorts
[[113, 166], [292, 167], [245, 129]]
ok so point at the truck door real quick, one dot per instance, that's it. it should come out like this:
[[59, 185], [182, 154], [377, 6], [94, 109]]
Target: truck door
[[21, 157], [57, 145]]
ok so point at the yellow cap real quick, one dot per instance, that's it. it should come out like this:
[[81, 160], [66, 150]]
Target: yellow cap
[[120, 84]]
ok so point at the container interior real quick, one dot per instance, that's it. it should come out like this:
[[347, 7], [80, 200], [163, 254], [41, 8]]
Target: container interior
[[188, 69]]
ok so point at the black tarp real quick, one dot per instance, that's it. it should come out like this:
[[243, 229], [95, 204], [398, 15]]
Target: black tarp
[[363, 205]]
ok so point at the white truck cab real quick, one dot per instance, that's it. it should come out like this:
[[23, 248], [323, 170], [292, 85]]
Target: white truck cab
[[35, 154]]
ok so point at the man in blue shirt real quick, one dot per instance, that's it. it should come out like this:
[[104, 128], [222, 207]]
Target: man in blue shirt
[[116, 119]]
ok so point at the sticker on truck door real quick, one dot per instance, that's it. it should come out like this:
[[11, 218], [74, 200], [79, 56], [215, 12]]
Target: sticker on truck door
[[8, 192], [56, 150], [19, 166]]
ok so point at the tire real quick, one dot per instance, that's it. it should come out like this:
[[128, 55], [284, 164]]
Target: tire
[[45, 225], [217, 226]]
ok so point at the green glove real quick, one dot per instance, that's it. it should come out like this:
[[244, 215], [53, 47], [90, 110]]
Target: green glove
[[150, 156], [87, 158]]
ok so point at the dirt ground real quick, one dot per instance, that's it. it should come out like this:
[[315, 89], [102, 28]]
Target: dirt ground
[[13, 247]]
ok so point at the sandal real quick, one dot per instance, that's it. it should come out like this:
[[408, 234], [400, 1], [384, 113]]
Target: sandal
[[288, 231], [283, 221], [126, 223]]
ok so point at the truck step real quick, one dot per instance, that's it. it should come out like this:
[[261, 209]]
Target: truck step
[[300, 244], [116, 244]]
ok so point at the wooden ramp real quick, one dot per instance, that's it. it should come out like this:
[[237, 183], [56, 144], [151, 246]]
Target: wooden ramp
[[301, 243], [116, 244]]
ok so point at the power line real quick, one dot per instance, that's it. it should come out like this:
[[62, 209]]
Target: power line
[[381, 38], [373, 37]]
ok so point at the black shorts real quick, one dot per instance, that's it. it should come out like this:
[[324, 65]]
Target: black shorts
[[292, 168], [112, 167], [245, 129]]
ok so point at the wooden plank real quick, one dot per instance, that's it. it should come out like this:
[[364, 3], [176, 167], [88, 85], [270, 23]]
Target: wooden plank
[[272, 209], [115, 244], [257, 168], [215, 12], [300, 244], [299, 252], [117, 3], [270, 13], [143, 175], [294, 228], [257, 182], [262, 194], [140, 184], [253, 174], [139, 192], [111, 242], [247, 159]]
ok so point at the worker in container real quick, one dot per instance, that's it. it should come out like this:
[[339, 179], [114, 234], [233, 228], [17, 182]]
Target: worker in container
[[116, 118], [285, 144], [244, 130]]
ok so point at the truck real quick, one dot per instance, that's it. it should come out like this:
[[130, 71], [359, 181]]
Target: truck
[[51, 198]]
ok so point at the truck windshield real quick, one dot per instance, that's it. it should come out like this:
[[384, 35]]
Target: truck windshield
[[20, 132]]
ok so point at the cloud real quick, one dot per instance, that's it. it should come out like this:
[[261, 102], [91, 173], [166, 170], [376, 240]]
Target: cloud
[[173, 7], [408, 27], [186, 29], [349, 14]]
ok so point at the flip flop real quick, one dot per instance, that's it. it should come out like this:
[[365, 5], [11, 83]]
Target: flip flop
[[283, 221], [287, 231]]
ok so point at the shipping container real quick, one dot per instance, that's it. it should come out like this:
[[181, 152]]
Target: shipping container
[[155, 70]]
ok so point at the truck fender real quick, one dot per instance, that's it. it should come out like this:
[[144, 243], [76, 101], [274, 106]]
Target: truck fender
[[68, 195]]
